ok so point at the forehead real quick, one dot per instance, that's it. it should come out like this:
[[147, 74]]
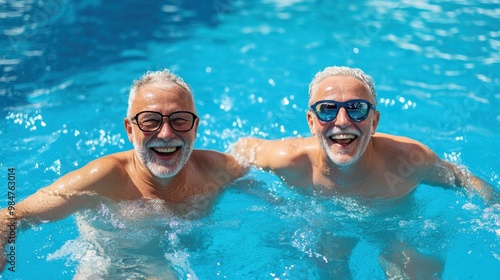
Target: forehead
[[341, 88], [163, 100]]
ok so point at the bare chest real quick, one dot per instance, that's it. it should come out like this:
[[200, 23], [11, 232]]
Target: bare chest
[[383, 184]]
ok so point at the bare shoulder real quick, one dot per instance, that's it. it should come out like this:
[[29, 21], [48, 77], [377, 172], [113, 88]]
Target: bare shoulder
[[114, 164], [408, 158], [209, 161], [210, 157], [400, 145], [295, 150], [394, 138], [106, 171]]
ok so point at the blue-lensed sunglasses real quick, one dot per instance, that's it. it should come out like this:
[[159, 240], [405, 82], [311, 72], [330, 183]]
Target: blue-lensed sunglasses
[[327, 110]]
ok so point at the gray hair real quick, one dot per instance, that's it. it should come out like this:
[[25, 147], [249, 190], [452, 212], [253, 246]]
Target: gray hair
[[163, 79], [343, 71]]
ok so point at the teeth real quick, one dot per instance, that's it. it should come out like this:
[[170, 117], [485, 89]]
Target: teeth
[[343, 136], [165, 150]]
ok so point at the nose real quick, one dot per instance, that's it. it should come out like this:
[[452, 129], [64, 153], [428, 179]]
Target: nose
[[165, 131], [342, 118]]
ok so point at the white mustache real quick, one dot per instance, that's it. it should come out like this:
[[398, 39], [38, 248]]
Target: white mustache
[[160, 143], [336, 130]]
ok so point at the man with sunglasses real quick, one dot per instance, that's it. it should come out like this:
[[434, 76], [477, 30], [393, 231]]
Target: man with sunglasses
[[346, 157], [161, 123]]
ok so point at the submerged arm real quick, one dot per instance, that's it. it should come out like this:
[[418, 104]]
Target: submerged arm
[[465, 179], [443, 173]]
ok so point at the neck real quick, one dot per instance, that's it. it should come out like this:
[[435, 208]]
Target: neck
[[170, 189], [351, 175]]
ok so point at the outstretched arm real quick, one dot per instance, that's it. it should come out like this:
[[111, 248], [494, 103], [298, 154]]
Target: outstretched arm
[[270, 155], [64, 197], [290, 159]]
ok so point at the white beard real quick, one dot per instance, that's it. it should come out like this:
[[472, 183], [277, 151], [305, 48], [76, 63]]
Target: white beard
[[160, 168], [342, 156]]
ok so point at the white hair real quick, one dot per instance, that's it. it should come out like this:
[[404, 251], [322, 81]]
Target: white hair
[[343, 71], [163, 79]]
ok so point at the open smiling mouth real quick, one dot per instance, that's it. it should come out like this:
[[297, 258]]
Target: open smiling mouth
[[343, 139], [165, 151]]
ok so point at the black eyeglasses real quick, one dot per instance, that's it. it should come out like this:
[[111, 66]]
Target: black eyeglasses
[[327, 110], [150, 121]]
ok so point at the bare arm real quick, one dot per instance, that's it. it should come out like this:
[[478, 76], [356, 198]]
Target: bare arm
[[290, 159], [248, 152], [267, 154], [420, 164], [67, 195], [443, 173]]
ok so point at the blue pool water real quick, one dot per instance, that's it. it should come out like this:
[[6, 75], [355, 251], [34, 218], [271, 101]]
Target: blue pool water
[[65, 73]]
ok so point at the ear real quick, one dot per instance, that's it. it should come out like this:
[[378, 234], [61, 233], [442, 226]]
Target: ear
[[128, 127], [376, 118], [310, 122]]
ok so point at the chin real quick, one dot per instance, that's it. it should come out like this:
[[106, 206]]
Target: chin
[[341, 159], [163, 171], [164, 175]]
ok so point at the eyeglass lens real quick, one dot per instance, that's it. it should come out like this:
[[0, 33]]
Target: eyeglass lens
[[357, 110]]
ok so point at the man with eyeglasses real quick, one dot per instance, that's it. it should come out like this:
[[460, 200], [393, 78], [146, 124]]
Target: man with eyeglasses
[[163, 165], [346, 157]]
